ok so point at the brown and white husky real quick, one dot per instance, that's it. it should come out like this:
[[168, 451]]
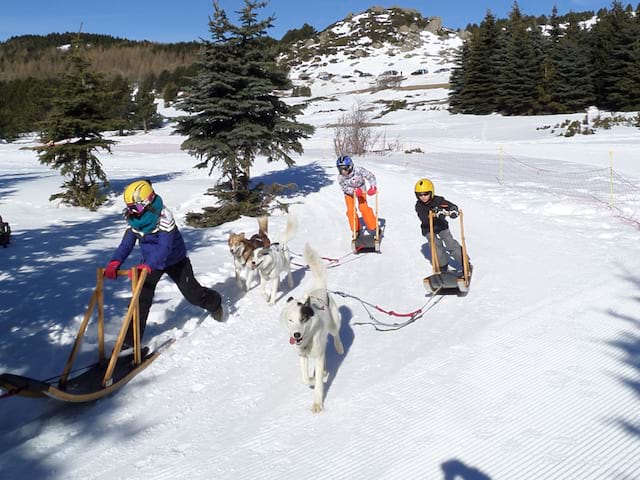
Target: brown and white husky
[[242, 250]]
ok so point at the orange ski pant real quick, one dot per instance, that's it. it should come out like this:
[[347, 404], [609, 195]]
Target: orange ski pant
[[367, 214]]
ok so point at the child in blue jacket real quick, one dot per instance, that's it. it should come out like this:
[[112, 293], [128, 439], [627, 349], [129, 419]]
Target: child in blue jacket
[[151, 224]]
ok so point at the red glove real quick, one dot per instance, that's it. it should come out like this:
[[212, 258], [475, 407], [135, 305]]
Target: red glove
[[142, 266], [358, 192], [372, 190], [111, 271]]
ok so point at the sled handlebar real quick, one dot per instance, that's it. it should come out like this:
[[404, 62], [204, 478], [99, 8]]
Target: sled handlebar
[[121, 273]]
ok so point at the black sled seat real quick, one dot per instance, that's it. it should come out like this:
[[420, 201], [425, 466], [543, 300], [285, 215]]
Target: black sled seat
[[108, 373], [5, 233], [447, 284]]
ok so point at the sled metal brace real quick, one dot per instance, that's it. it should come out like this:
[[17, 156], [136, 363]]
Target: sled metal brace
[[133, 313]]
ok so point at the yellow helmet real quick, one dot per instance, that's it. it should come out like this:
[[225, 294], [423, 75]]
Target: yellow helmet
[[424, 185], [139, 192]]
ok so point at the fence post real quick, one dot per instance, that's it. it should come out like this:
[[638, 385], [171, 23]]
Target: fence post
[[611, 178], [500, 167]]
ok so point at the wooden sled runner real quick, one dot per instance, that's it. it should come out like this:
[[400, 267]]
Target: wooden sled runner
[[365, 243], [448, 283], [107, 374]]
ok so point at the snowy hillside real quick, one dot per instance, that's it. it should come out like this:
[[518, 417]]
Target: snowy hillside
[[532, 375], [354, 53]]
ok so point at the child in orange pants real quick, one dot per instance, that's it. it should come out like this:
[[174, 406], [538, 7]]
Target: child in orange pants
[[352, 181]]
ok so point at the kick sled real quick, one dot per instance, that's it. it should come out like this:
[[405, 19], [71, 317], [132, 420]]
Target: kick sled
[[448, 283], [5, 233], [107, 374], [361, 243]]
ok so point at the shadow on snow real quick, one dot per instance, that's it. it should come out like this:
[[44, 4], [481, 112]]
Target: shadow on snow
[[45, 287], [628, 343]]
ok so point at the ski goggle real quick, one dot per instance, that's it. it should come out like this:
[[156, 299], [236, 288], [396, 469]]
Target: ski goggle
[[345, 168], [135, 210]]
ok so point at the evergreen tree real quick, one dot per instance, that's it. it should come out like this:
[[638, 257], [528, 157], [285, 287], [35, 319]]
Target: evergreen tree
[[235, 114], [294, 35], [629, 84], [613, 37], [483, 69], [573, 86], [458, 80], [547, 48], [119, 106], [623, 91], [71, 134], [145, 108], [520, 75]]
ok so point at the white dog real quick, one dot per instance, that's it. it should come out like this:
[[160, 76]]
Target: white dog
[[272, 261], [309, 320]]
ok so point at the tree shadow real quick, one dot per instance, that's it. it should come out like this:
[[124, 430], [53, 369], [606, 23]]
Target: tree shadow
[[456, 470], [9, 182], [308, 179], [629, 345], [45, 287]]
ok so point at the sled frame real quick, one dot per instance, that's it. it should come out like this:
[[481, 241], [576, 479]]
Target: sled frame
[[99, 379], [444, 283], [355, 224]]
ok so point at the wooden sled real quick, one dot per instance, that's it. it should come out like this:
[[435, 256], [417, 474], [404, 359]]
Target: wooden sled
[[365, 243], [107, 374], [448, 283], [5, 233]]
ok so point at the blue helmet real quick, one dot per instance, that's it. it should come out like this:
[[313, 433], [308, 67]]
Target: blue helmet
[[345, 163]]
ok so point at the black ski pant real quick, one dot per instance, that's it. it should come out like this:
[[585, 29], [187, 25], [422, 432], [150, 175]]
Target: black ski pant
[[182, 274]]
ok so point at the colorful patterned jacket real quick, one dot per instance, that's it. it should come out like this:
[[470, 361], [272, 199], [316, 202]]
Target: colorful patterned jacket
[[356, 179]]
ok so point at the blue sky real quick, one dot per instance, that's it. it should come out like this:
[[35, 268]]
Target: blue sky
[[171, 21]]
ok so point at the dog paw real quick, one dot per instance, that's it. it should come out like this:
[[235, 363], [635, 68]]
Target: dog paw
[[316, 408]]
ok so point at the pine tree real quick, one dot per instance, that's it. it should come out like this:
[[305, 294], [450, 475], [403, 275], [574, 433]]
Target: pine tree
[[145, 108], [118, 107], [483, 69], [520, 75], [545, 102], [613, 36], [458, 80], [573, 87], [623, 91], [235, 113], [71, 134]]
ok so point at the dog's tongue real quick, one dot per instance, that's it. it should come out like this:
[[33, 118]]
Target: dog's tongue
[[292, 340]]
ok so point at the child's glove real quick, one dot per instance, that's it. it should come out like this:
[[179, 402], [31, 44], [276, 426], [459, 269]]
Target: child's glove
[[142, 266], [439, 212], [453, 214], [372, 190], [358, 192], [111, 270]]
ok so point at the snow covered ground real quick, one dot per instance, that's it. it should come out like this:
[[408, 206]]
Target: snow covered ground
[[533, 375]]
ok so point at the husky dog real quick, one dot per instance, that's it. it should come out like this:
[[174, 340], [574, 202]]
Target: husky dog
[[242, 251], [309, 320], [274, 260]]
